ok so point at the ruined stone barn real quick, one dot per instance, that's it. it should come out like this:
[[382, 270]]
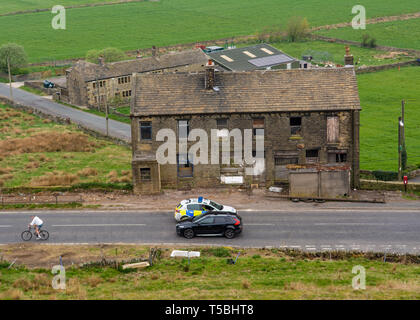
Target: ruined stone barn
[[95, 85], [306, 116]]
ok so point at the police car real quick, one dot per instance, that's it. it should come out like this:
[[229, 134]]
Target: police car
[[196, 206]]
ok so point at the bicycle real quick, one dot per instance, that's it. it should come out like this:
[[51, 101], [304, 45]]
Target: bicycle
[[27, 235]]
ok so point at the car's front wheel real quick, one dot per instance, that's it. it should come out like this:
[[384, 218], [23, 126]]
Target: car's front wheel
[[189, 233], [229, 233]]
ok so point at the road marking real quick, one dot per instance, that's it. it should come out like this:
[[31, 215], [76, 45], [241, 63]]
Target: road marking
[[4, 226], [97, 225], [348, 224], [260, 224]]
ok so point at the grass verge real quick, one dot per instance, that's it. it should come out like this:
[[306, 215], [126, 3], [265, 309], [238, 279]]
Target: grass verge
[[38, 153], [258, 274]]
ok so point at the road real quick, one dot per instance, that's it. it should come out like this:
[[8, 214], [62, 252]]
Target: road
[[317, 229], [93, 122]]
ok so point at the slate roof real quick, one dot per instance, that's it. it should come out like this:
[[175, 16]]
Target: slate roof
[[246, 92], [90, 70], [258, 57]]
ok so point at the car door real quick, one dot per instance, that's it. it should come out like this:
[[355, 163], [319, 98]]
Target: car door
[[219, 224], [205, 226]]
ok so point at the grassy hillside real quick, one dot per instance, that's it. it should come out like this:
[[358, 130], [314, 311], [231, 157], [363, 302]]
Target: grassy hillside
[[381, 94], [258, 274], [400, 34], [37, 152], [167, 22]]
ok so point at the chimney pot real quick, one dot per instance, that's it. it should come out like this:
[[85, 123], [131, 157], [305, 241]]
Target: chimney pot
[[210, 75], [348, 58]]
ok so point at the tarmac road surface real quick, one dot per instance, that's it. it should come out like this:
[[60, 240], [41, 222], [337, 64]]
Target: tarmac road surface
[[371, 229]]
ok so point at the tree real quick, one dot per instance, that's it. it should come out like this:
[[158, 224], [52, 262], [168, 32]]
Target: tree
[[12, 57], [14, 54], [109, 55], [297, 29]]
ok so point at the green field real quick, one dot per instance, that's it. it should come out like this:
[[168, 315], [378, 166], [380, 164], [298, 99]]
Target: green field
[[363, 56], [7, 6], [39, 153], [168, 22], [258, 274], [400, 34], [381, 94]]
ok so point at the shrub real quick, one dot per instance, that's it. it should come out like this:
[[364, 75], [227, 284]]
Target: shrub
[[368, 41], [385, 175], [297, 29]]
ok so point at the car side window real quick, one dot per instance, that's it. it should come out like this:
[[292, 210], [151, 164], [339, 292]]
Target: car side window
[[208, 208], [220, 220], [208, 220], [194, 207]]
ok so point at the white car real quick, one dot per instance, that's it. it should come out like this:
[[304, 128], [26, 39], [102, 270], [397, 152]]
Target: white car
[[194, 207]]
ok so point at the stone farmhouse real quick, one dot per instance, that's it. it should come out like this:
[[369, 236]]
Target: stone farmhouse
[[95, 85], [306, 116]]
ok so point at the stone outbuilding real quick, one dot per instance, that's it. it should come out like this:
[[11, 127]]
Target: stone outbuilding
[[94, 85], [306, 116]]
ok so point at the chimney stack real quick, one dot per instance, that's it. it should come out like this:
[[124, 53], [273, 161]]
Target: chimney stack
[[210, 75], [348, 58], [101, 61], [138, 55], [154, 51]]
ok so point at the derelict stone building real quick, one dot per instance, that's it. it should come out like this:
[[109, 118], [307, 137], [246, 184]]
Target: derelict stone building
[[305, 116]]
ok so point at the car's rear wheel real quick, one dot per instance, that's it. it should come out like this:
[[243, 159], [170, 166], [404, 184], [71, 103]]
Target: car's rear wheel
[[189, 233], [230, 233]]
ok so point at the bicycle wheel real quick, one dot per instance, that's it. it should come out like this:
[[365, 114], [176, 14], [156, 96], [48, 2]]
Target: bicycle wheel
[[26, 235], [44, 234]]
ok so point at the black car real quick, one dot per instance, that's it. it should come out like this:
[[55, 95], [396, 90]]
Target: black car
[[210, 225]]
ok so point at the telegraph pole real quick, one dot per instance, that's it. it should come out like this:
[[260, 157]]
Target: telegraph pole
[[403, 121], [10, 78], [399, 149]]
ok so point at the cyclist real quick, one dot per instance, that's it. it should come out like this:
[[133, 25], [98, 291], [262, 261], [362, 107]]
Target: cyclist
[[37, 224]]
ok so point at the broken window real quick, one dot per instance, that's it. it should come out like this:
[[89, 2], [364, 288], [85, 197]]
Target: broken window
[[146, 130], [312, 155], [145, 174], [258, 127], [222, 123], [295, 126], [185, 166], [183, 129], [337, 156], [332, 129]]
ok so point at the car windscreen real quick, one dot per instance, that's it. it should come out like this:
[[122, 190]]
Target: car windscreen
[[216, 205]]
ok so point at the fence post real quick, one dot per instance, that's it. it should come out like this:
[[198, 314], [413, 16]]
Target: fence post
[[56, 199]]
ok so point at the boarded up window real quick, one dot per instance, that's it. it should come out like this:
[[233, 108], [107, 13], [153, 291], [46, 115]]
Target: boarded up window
[[332, 129], [185, 166]]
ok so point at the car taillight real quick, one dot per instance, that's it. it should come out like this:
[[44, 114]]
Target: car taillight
[[237, 222]]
